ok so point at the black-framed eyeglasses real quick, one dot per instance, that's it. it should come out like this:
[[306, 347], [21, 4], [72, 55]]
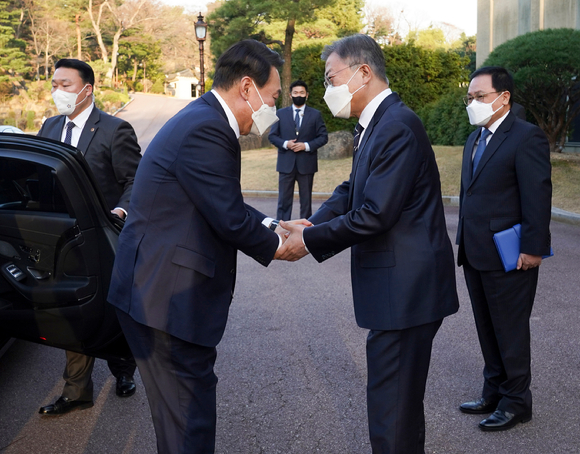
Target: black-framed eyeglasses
[[479, 98], [327, 79]]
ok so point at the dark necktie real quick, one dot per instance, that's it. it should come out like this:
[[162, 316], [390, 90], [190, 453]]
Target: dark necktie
[[297, 119], [480, 148], [68, 135], [357, 132]]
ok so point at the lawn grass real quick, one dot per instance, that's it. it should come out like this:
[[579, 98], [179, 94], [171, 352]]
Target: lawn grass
[[259, 173]]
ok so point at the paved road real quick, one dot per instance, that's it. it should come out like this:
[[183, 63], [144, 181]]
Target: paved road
[[148, 113], [292, 373], [292, 368]]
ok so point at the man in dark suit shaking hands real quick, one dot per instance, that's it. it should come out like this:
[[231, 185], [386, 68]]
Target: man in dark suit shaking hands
[[298, 135], [390, 213], [505, 180], [110, 148], [175, 269]]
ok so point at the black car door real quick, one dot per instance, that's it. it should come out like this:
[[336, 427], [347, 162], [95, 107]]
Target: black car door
[[57, 247]]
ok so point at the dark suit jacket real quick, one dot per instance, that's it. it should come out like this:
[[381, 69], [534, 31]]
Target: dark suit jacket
[[312, 130], [110, 147], [391, 212], [511, 185], [176, 262]]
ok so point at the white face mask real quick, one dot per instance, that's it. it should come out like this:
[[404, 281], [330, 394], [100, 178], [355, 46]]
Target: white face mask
[[338, 98], [264, 117], [480, 113], [66, 102]]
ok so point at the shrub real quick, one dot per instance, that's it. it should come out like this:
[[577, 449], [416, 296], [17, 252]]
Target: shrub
[[114, 97], [30, 115], [157, 87], [446, 120], [546, 69]]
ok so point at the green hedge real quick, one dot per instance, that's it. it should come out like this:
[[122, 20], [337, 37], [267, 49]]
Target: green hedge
[[446, 120]]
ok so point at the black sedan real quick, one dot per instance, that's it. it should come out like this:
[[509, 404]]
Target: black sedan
[[57, 247]]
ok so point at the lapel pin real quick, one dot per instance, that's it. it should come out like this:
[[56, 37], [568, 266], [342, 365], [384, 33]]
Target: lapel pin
[[92, 129]]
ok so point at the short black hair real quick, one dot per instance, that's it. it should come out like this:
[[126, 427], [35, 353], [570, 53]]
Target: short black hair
[[245, 58], [359, 49], [501, 79], [298, 83], [85, 71]]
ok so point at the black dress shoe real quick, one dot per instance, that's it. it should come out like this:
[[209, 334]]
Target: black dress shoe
[[64, 405], [503, 420], [478, 407], [125, 386]]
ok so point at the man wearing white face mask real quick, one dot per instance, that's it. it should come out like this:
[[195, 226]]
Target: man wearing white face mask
[[505, 180], [390, 213], [175, 270], [110, 147]]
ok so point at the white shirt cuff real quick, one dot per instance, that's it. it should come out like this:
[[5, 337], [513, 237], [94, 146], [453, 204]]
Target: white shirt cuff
[[306, 146], [304, 242], [267, 221]]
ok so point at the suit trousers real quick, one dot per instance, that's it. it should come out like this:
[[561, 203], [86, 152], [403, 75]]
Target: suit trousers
[[398, 365], [502, 304], [286, 194], [181, 387], [78, 370]]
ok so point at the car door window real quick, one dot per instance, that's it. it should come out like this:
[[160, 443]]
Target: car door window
[[29, 186]]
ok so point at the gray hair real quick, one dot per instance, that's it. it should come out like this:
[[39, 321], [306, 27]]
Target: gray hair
[[357, 50]]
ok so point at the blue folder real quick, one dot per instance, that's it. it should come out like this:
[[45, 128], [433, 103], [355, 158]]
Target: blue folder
[[507, 243]]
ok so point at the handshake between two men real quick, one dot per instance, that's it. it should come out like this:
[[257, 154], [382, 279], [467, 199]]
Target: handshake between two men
[[293, 247]]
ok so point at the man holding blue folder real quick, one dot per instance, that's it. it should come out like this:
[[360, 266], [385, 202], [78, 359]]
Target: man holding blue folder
[[505, 180]]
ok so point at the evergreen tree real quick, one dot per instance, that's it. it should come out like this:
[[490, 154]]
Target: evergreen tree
[[13, 59]]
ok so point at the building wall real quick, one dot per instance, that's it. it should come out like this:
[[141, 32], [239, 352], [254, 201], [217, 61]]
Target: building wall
[[501, 20]]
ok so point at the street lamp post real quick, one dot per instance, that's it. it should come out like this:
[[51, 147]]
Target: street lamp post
[[200, 32]]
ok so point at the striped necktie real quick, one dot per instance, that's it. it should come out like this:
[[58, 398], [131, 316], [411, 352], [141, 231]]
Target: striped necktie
[[68, 135], [297, 119], [357, 132]]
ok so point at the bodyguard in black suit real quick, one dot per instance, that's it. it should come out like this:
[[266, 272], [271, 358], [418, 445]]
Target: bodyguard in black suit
[[390, 214], [298, 135], [111, 150], [175, 269], [505, 180]]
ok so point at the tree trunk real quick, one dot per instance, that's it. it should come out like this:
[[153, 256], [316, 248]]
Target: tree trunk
[[286, 78], [97, 28], [46, 58], [79, 53], [134, 77], [114, 53], [46, 64]]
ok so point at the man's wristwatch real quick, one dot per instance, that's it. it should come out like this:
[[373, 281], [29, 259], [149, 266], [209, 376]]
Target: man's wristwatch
[[274, 224]]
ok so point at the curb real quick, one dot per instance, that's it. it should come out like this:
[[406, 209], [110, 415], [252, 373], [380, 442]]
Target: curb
[[558, 215], [131, 99], [566, 217]]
